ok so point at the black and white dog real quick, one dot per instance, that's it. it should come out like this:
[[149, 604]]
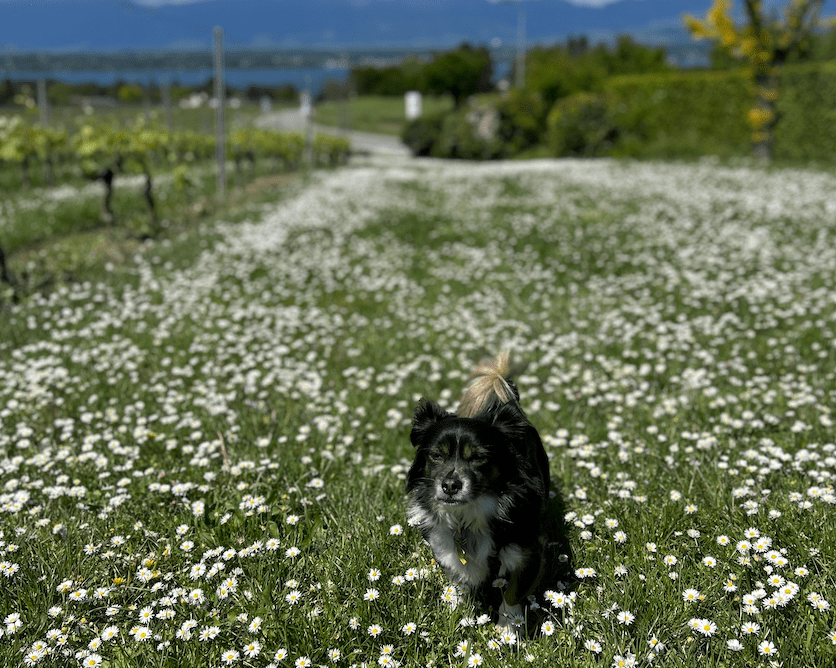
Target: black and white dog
[[478, 488]]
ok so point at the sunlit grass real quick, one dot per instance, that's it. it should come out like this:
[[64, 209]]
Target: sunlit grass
[[375, 113], [202, 457]]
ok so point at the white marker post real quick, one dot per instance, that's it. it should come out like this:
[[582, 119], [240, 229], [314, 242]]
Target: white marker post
[[413, 105]]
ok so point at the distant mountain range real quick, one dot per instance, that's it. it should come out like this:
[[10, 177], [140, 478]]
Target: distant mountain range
[[110, 25]]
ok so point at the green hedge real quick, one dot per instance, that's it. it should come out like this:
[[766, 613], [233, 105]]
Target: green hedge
[[681, 114], [689, 114], [585, 125], [807, 123]]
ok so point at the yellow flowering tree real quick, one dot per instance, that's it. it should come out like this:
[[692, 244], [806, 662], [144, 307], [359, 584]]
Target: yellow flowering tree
[[764, 42]]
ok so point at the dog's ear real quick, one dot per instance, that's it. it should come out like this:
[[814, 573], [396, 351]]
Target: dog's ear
[[427, 414], [508, 418]]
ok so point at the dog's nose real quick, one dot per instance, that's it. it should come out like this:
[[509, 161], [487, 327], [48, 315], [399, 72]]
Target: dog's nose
[[451, 485]]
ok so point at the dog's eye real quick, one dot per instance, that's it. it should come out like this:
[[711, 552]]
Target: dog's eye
[[435, 457]]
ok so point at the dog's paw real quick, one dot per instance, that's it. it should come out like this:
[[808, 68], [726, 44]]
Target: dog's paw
[[511, 620]]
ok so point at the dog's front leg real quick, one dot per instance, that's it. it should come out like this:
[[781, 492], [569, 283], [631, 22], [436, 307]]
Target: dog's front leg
[[523, 572]]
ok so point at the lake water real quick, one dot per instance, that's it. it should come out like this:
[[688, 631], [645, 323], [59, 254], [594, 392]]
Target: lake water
[[300, 78]]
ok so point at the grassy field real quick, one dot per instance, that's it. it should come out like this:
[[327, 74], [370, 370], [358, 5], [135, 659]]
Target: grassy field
[[375, 113], [202, 457]]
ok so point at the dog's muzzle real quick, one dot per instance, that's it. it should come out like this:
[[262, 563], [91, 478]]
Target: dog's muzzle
[[451, 489]]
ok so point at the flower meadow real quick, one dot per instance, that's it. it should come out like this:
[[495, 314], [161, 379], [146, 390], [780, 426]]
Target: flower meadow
[[202, 458]]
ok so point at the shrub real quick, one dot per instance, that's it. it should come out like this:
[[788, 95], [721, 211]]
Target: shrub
[[467, 134], [522, 121], [421, 134], [461, 138], [582, 125]]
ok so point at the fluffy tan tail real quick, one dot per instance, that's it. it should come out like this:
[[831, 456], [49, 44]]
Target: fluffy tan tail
[[489, 383]]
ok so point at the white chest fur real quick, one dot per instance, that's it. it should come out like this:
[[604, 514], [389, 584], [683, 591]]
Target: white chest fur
[[460, 539]]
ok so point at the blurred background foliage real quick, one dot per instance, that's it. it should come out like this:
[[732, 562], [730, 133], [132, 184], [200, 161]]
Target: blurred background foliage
[[626, 100]]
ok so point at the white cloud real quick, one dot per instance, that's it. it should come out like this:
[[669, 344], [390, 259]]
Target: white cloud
[[163, 3], [592, 3]]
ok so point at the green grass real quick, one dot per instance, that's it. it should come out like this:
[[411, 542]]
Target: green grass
[[235, 401], [375, 113]]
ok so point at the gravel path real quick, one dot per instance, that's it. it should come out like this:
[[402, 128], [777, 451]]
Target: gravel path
[[361, 142]]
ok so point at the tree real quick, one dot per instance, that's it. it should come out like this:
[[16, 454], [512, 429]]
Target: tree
[[460, 73], [764, 43]]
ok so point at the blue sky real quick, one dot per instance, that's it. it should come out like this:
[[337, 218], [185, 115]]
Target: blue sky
[[71, 25], [62, 25]]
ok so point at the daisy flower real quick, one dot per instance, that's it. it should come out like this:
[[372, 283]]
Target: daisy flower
[[704, 626], [767, 648], [626, 617], [656, 645], [691, 595], [252, 650], [508, 638], [707, 627], [734, 645], [593, 646], [750, 628]]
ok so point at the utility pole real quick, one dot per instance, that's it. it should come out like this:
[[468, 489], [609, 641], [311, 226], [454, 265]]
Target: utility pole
[[520, 44], [519, 73], [43, 103], [220, 100], [165, 93]]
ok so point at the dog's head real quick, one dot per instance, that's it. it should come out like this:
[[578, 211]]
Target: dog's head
[[460, 460]]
